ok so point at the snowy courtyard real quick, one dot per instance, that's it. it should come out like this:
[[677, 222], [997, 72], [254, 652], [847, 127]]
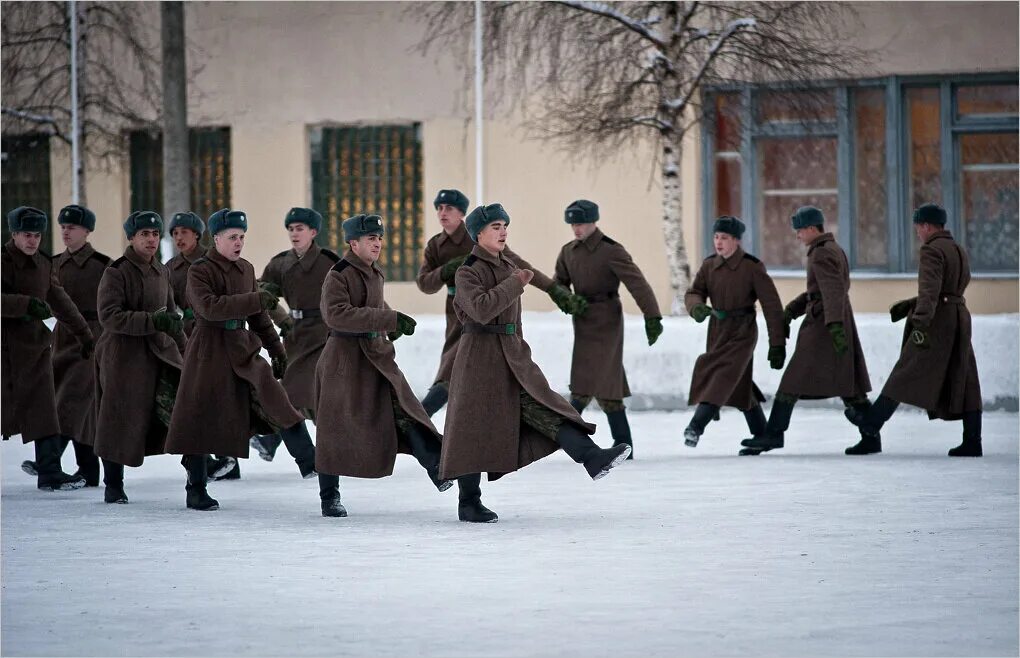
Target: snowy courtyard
[[680, 552]]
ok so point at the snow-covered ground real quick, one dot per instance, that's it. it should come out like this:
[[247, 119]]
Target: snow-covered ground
[[680, 552]]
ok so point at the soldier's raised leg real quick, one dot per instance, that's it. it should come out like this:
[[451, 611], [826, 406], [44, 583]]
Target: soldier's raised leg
[[704, 413], [578, 445], [47, 461], [775, 428], [266, 445], [299, 445]]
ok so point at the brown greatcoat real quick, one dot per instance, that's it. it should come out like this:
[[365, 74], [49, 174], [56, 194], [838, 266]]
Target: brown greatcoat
[[440, 249], [484, 432], [356, 378], [595, 267], [129, 357], [723, 374], [815, 370], [74, 377], [179, 266], [28, 405], [942, 379], [301, 281], [224, 374]]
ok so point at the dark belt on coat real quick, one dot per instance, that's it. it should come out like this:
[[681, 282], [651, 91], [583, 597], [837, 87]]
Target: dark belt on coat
[[354, 334], [747, 311], [301, 313], [451, 291], [946, 298], [508, 329], [229, 325], [602, 297], [91, 316]]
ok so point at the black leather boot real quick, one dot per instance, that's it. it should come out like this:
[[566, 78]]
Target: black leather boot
[[775, 428], [88, 463], [971, 446], [198, 477], [756, 422], [113, 478], [427, 453], [329, 496], [222, 468], [579, 447], [703, 415], [47, 463], [869, 418], [620, 429], [578, 405], [437, 396], [266, 445], [299, 445], [469, 505]]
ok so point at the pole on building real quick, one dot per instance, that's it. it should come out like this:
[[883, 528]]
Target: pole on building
[[479, 151], [176, 158], [72, 9]]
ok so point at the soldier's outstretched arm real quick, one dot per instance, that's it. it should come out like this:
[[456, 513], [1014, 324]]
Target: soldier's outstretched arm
[[697, 293], [930, 270], [771, 304], [14, 305], [171, 307], [212, 306], [627, 271], [339, 313], [828, 273], [482, 304], [541, 281], [272, 277], [112, 314], [561, 273], [430, 278]]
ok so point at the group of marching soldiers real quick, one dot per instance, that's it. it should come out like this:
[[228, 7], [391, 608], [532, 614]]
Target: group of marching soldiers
[[147, 358]]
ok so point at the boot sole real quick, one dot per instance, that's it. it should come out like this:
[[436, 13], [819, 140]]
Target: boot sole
[[212, 508], [470, 521], [264, 455], [619, 459], [223, 470], [29, 470], [691, 439], [444, 485], [67, 486]]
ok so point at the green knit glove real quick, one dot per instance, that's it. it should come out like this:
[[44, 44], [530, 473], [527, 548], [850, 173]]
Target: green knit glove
[[653, 329], [700, 312], [578, 305], [561, 297], [449, 270], [168, 323], [405, 324], [838, 334], [900, 309], [268, 301], [286, 326], [394, 335], [271, 288], [38, 309], [777, 356], [279, 366]]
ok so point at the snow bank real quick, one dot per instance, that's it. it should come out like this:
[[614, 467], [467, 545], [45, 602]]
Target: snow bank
[[660, 376]]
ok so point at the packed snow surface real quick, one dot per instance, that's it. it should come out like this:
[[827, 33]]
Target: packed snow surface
[[682, 551]]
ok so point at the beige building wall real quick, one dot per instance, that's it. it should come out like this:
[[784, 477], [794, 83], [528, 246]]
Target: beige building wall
[[273, 70]]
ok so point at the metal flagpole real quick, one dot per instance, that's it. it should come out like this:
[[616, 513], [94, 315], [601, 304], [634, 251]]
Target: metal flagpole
[[72, 8], [479, 168]]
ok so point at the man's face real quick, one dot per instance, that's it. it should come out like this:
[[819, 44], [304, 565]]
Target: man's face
[[492, 238], [184, 239], [449, 217], [230, 243], [582, 231], [74, 236], [301, 236], [725, 244], [925, 231], [27, 241], [145, 242], [807, 234], [368, 247]]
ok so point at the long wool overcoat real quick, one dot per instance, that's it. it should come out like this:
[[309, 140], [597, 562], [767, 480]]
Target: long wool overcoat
[[484, 432], [74, 377], [227, 390], [301, 281], [357, 378], [815, 370], [723, 374], [29, 401], [440, 249], [179, 266], [130, 356], [942, 379], [595, 267]]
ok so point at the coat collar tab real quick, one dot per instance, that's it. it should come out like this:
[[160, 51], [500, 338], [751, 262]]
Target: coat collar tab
[[457, 237]]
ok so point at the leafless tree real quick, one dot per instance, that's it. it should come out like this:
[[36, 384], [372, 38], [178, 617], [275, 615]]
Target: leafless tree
[[598, 76]]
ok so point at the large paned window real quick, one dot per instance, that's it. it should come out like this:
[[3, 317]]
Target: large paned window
[[372, 170], [867, 154], [26, 180], [209, 150]]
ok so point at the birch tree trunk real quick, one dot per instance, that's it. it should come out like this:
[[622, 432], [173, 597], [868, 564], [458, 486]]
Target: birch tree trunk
[[672, 222]]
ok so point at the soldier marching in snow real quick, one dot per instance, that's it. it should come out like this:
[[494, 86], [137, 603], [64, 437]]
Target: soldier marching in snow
[[732, 280], [594, 265], [503, 415], [828, 360], [138, 358], [367, 412], [228, 392], [79, 269], [297, 276], [444, 253], [936, 370], [31, 294]]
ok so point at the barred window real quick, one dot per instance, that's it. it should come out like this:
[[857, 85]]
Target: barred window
[[209, 150], [371, 170], [26, 180]]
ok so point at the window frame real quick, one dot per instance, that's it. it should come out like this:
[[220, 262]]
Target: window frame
[[899, 243]]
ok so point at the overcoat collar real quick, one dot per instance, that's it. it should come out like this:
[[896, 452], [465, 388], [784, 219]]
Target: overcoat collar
[[79, 257], [732, 262], [457, 237], [185, 259], [140, 262], [21, 259], [591, 242], [362, 266], [224, 263], [482, 254], [819, 241], [308, 260], [938, 234]]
